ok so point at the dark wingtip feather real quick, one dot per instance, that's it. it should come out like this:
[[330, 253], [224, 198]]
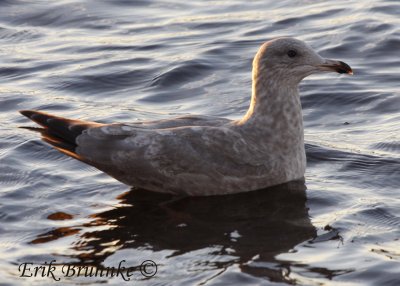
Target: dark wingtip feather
[[32, 113], [27, 113], [60, 132], [63, 128], [40, 118], [62, 146]]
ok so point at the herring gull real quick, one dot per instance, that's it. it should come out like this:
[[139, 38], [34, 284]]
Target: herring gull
[[204, 155]]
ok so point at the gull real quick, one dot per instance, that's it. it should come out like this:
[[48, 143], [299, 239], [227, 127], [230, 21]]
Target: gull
[[204, 155]]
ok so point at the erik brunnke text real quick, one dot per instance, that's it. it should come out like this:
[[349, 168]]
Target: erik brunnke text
[[55, 271]]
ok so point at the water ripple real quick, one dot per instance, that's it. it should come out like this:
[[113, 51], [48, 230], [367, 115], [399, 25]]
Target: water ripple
[[135, 60]]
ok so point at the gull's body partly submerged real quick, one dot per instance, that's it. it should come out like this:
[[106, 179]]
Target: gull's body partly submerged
[[199, 155]]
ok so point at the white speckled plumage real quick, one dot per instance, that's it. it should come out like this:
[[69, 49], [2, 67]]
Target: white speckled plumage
[[199, 155]]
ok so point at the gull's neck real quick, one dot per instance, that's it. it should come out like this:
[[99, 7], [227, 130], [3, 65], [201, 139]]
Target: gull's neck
[[275, 108], [273, 126], [271, 97]]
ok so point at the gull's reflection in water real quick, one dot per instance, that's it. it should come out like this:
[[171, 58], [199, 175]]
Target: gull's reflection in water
[[250, 227]]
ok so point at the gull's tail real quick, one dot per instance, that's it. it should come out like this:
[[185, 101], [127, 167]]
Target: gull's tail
[[60, 132]]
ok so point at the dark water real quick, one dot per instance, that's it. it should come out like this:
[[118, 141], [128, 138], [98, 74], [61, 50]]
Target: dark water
[[134, 60]]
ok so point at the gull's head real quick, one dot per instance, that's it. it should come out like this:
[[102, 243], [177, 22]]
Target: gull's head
[[289, 60]]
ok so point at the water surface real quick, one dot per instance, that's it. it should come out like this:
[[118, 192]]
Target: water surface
[[135, 60]]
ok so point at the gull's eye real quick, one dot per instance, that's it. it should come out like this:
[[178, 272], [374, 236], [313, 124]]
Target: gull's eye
[[291, 53]]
